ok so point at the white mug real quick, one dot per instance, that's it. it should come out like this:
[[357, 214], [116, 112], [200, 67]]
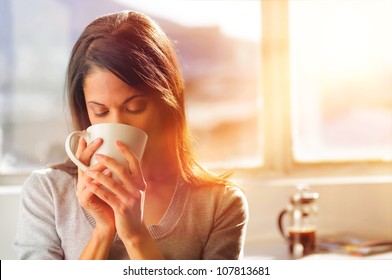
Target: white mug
[[133, 137]]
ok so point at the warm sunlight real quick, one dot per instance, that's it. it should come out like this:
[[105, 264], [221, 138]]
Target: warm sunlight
[[345, 37], [237, 18], [342, 66]]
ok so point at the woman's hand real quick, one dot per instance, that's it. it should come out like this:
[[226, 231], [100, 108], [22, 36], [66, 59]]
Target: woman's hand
[[98, 209], [124, 192]]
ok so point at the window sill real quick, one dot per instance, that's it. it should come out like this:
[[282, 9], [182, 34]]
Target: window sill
[[330, 173]]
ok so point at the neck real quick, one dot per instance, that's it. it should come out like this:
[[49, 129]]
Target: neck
[[160, 167]]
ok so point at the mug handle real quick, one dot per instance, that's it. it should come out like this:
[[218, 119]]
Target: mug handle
[[69, 151]]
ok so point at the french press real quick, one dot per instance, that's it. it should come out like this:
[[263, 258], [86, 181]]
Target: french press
[[301, 213]]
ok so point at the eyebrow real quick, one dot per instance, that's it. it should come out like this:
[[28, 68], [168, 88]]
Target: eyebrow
[[125, 101]]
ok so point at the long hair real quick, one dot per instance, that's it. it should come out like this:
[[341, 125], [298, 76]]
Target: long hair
[[135, 49]]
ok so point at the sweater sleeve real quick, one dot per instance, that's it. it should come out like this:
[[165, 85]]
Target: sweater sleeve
[[226, 240], [36, 235]]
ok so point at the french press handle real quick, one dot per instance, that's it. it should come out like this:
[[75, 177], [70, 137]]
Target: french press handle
[[280, 223]]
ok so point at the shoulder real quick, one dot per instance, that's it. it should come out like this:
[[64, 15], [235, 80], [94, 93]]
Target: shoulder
[[234, 202], [48, 181], [225, 199], [49, 176], [51, 173], [44, 208], [216, 191]]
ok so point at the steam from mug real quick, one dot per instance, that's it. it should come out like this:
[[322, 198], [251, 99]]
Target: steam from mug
[[133, 137]]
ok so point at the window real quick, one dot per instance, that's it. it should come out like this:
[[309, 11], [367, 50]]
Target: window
[[218, 54], [341, 66], [326, 85], [283, 86]]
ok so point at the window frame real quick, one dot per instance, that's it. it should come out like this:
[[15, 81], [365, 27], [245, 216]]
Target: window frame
[[276, 118]]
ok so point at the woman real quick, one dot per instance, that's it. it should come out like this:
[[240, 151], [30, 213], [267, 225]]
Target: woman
[[123, 69]]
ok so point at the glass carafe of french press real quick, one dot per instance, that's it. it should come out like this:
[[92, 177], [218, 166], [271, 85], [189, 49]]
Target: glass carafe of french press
[[300, 229]]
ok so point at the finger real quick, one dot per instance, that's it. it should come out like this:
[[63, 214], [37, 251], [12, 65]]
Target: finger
[[84, 197], [81, 146], [107, 196], [83, 178], [89, 150], [111, 185], [98, 167], [133, 162], [132, 181]]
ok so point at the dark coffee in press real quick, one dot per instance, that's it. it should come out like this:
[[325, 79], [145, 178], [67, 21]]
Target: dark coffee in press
[[305, 237]]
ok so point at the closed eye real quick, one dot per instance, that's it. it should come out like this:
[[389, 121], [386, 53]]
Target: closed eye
[[133, 105], [99, 110], [101, 115], [136, 106]]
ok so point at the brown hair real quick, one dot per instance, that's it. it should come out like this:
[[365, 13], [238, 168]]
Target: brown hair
[[135, 49]]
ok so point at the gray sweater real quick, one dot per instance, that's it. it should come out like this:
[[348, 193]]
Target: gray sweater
[[200, 222]]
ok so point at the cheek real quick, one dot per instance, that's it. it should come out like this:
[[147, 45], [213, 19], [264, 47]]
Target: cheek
[[155, 125], [145, 122], [152, 125]]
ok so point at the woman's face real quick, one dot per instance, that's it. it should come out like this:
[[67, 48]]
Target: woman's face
[[110, 100]]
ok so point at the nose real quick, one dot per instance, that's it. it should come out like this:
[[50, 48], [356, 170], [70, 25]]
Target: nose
[[117, 117]]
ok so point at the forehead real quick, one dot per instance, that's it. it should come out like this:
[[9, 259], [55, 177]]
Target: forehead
[[102, 84]]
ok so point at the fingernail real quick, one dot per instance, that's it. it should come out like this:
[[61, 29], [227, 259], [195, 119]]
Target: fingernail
[[91, 174], [96, 141], [98, 156], [119, 143], [106, 172]]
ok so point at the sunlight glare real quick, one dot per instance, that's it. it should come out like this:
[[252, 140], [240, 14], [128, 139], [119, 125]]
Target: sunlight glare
[[238, 18]]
